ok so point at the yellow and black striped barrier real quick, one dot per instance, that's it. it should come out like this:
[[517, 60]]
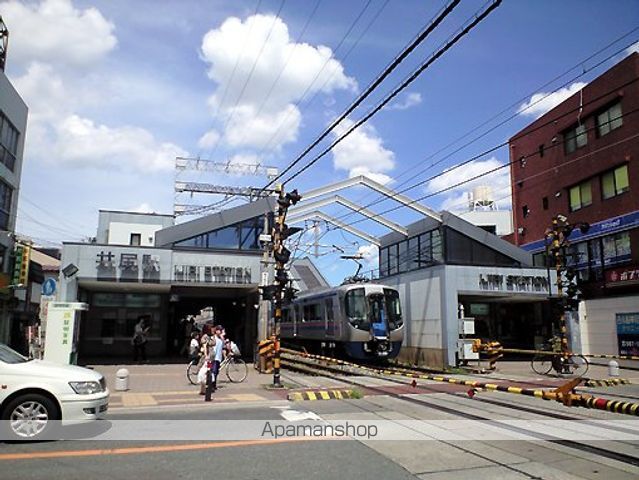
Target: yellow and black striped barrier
[[265, 347], [562, 394], [606, 382], [615, 357], [332, 394]]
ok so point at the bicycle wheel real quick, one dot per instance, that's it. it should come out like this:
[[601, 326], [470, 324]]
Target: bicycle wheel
[[192, 370], [236, 370], [541, 364], [577, 365]]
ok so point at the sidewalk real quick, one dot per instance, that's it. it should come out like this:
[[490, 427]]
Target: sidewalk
[[152, 385]]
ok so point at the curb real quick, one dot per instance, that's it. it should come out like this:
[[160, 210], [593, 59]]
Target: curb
[[610, 382], [321, 395]]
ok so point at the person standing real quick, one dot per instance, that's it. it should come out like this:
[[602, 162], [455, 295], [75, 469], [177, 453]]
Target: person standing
[[218, 354], [139, 339]]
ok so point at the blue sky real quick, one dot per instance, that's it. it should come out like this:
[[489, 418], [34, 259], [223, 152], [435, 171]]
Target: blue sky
[[117, 89]]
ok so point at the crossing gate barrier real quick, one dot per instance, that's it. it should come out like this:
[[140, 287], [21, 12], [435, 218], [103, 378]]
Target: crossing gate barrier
[[606, 382], [265, 350]]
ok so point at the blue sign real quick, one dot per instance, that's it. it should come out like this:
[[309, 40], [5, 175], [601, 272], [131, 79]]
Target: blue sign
[[605, 227], [49, 287]]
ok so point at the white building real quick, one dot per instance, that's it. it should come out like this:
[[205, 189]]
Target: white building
[[13, 126]]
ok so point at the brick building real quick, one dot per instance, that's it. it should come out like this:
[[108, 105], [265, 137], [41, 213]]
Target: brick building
[[581, 160]]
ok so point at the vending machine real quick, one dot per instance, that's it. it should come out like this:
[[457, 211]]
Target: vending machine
[[63, 331]]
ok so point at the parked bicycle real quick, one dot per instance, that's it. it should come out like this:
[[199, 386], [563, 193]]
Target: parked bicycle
[[563, 364], [233, 366]]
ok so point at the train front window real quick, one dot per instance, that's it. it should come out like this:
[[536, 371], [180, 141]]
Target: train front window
[[355, 302], [393, 308]]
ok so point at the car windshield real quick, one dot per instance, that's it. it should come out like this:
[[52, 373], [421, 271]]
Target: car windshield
[[8, 355]]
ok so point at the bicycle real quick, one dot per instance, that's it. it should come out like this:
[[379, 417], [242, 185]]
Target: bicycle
[[568, 364], [234, 367]]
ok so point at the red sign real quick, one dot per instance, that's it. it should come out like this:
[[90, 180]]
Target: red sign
[[623, 275]]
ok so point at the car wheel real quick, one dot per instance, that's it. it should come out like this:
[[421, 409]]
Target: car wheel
[[29, 417]]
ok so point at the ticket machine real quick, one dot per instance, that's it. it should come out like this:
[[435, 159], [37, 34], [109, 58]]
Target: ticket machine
[[63, 331]]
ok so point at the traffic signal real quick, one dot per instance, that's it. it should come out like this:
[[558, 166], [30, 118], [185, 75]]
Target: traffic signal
[[22, 255]]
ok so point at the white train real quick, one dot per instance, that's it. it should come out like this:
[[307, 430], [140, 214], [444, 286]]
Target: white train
[[362, 320]]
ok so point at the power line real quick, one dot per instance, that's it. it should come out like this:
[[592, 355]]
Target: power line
[[518, 112], [497, 147], [385, 73], [319, 72], [493, 170], [464, 31]]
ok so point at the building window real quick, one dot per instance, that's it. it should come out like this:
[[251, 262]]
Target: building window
[[609, 120], [242, 236], [525, 211], [393, 260], [8, 142], [575, 138], [136, 239], [616, 248], [615, 182], [6, 193], [580, 196], [383, 262], [544, 203]]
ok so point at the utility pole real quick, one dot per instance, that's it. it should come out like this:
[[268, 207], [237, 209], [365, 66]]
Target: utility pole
[[557, 236], [278, 291]]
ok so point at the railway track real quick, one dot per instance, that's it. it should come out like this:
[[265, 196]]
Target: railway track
[[336, 371]]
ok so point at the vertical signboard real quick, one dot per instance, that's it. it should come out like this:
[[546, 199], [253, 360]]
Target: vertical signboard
[[628, 333]]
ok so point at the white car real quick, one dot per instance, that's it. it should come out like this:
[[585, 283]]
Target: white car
[[35, 396]]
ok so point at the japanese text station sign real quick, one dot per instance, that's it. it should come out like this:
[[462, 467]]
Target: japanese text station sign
[[628, 333]]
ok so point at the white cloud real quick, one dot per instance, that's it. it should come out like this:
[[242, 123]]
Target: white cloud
[[142, 208], [362, 153], [457, 198], [370, 254], [82, 143], [209, 139], [411, 99], [55, 31], [542, 102], [260, 47]]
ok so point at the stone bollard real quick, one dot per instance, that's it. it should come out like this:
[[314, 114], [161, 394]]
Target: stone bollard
[[122, 380], [613, 368]]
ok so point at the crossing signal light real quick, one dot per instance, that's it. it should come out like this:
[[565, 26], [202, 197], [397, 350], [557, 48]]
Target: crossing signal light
[[291, 198], [268, 292], [289, 294], [282, 256], [281, 276]]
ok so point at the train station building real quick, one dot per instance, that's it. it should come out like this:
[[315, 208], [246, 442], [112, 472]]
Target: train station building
[[446, 268], [144, 265]]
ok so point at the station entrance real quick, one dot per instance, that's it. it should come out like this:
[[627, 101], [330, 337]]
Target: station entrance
[[233, 308], [514, 322]]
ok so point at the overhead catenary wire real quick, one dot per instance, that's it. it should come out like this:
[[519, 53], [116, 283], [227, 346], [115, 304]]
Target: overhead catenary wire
[[411, 78], [491, 150], [516, 114], [385, 73]]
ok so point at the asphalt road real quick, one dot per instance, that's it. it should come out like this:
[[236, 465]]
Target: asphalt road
[[612, 459]]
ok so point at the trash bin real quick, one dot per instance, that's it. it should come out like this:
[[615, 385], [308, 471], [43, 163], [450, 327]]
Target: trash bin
[[122, 380]]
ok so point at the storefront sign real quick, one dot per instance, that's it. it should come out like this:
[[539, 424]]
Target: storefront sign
[[605, 227], [513, 283], [622, 276], [211, 274], [628, 333], [479, 309]]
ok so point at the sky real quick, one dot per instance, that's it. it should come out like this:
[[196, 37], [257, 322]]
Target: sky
[[118, 89]]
